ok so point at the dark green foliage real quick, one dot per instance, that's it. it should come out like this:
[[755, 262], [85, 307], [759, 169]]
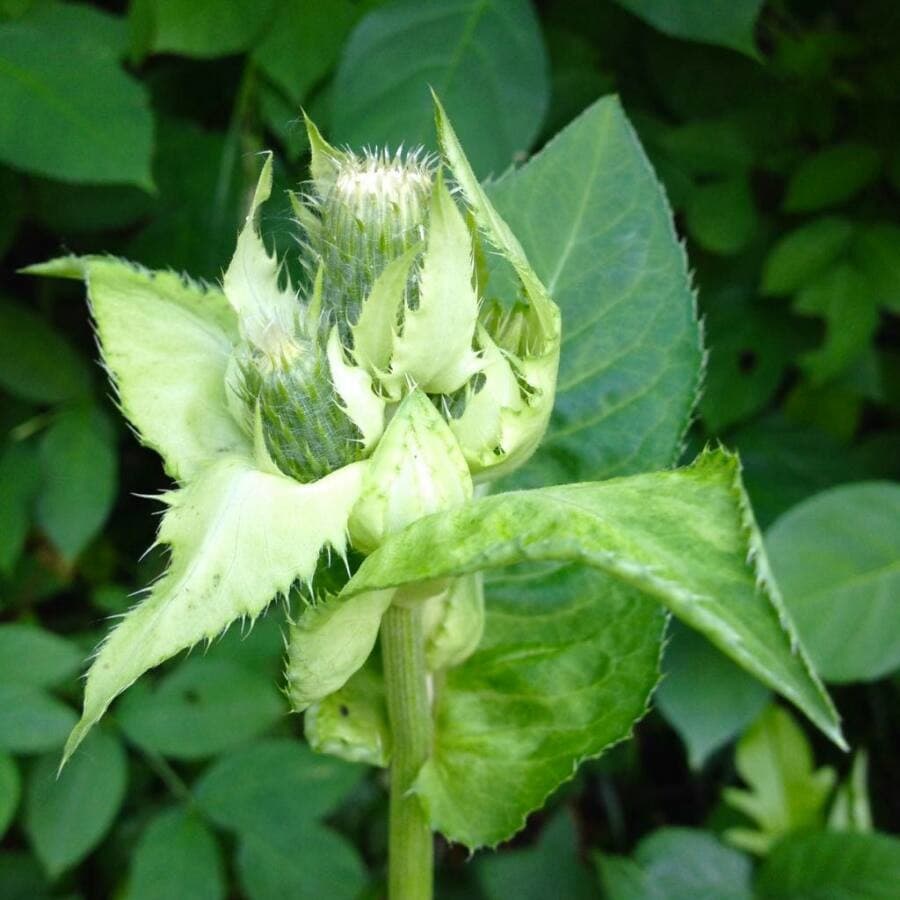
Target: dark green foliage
[[133, 129]]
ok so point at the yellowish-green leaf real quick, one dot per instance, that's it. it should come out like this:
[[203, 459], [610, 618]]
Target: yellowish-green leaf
[[238, 538], [166, 342]]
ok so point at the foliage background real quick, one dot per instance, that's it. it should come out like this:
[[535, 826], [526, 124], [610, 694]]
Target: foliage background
[[132, 128]]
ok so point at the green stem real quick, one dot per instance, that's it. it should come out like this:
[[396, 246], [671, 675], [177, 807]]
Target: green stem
[[410, 843]]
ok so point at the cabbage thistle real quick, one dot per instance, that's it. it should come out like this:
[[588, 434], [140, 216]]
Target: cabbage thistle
[[363, 406], [300, 420]]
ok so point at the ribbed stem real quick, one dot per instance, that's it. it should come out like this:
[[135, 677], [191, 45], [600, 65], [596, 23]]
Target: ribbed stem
[[410, 843]]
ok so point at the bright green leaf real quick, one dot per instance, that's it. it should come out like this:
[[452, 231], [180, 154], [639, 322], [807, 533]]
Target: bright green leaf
[[683, 538], [67, 815], [80, 471], [729, 24], [704, 696], [485, 59], [832, 865], [202, 708], [219, 527], [831, 177], [205, 28], [876, 251], [67, 109], [10, 789], [595, 225], [721, 215], [843, 297], [804, 253], [31, 721], [176, 856], [786, 793], [837, 559], [279, 780], [166, 342], [31, 655], [36, 363], [549, 868], [851, 809]]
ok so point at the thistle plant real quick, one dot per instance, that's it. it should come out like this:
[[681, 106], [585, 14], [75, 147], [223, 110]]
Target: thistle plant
[[365, 412]]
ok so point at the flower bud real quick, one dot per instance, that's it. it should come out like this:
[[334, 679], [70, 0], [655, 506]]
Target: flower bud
[[289, 382], [416, 469]]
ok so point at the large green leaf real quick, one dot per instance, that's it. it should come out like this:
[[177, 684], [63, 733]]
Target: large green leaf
[[273, 794], [80, 469], [728, 24], [595, 225], [832, 866], [68, 813], [36, 362], [176, 857], [837, 557], [484, 58], [202, 28], [685, 538], [31, 721], [51, 658], [677, 864], [704, 696], [202, 708], [166, 342], [219, 528], [67, 109]]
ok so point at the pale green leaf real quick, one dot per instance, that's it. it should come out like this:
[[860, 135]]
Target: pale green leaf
[[329, 642], [31, 721], [831, 176], [727, 24], [352, 722], [219, 528], [80, 469], [837, 558], [67, 109], [166, 342], [484, 58], [832, 866], [67, 814], [177, 856], [36, 362], [786, 793], [851, 809], [10, 790], [31, 655], [202, 708], [704, 696], [594, 223]]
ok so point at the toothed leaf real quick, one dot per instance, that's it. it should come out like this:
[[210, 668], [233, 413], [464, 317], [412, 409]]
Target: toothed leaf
[[685, 538], [238, 538], [166, 343]]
